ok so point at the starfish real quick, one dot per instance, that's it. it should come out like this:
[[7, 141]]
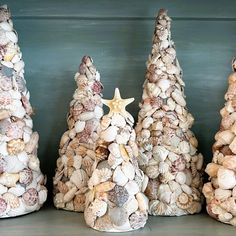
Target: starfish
[[117, 104]]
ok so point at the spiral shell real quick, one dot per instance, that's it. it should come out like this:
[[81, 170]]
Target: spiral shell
[[184, 201]]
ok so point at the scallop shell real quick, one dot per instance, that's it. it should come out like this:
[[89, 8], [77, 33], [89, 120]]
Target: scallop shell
[[159, 208], [132, 187], [226, 178], [99, 207], [152, 171], [163, 167], [118, 215], [70, 194], [114, 161], [109, 134], [104, 224], [178, 97], [58, 200], [3, 206], [131, 205], [160, 153], [11, 199], [79, 178], [184, 201], [30, 197], [138, 220], [118, 195], [119, 177], [26, 176], [194, 208], [230, 162], [79, 202], [9, 180]]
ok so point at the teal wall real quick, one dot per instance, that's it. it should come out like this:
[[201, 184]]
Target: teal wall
[[54, 35]]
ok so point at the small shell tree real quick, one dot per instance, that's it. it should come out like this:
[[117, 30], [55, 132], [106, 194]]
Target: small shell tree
[[220, 192], [167, 147], [115, 202], [22, 187], [77, 146]]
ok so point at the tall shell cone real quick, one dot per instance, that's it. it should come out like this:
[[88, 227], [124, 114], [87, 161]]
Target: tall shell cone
[[167, 147], [116, 202], [220, 192], [77, 146], [22, 187]]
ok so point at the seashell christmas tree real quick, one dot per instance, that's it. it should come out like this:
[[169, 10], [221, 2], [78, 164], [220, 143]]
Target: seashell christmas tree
[[116, 202], [77, 146], [220, 192], [167, 147], [22, 187]]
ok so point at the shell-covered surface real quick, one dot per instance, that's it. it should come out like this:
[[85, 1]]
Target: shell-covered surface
[[220, 192], [77, 146], [116, 202], [167, 147], [22, 187]]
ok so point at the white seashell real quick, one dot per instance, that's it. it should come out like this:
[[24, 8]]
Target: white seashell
[[131, 205], [6, 26], [114, 161], [132, 187], [14, 165], [186, 189], [222, 194], [184, 147], [34, 163], [160, 153], [114, 150], [7, 64], [9, 180], [79, 178], [99, 207], [98, 112], [128, 170], [119, 177], [163, 167], [16, 59], [28, 122], [86, 116], [79, 126], [147, 122], [142, 201], [122, 138], [145, 183], [109, 134], [175, 187], [145, 134], [163, 84], [3, 148], [3, 189], [165, 196], [18, 190], [172, 156], [18, 66], [178, 97], [18, 111], [180, 177], [21, 210], [118, 120], [26, 137], [12, 36], [226, 178], [42, 195], [77, 161]]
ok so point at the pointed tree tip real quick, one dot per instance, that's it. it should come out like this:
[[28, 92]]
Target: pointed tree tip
[[162, 11]]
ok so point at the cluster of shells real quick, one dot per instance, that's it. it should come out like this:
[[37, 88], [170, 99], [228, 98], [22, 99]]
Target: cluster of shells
[[220, 192], [21, 181], [77, 146], [167, 147], [116, 201]]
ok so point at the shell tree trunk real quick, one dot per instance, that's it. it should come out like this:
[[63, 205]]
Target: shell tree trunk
[[167, 147], [220, 192], [115, 202], [77, 146], [22, 187]]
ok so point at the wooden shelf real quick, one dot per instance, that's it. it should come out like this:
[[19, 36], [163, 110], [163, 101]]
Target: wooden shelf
[[49, 221]]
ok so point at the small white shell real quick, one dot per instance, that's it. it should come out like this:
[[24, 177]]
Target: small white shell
[[142, 201], [118, 120], [6, 26], [178, 97], [226, 178], [12, 36], [131, 205], [109, 134], [3, 189], [13, 164], [119, 177], [163, 167], [128, 170], [180, 177], [132, 187], [18, 190], [160, 153], [114, 149], [18, 66], [99, 207], [79, 178], [98, 112], [79, 126], [86, 116], [164, 84], [42, 194]]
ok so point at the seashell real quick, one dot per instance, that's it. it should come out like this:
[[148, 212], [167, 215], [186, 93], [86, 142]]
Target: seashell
[[99, 207], [232, 145], [178, 97], [105, 187], [132, 187], [11, 200], [3, 189], [18, 66], [26, 176], [3, 148], [98, 112], [12, 36], [163, 84], [6, 26], [105, 122], [146, 123], [131, 205], [194, 208], [33, 163], [226, 178], [163, 167], [7, 64], [86, 116], [79, 178], [166, 177], [221, 194], [4, 114], [142, 202], [145, 134], [114, 149], [101, 152], [3, 164], [118, 120], [42, 195], [233, 221], [186, 189], [79, 126], [31, 145], [223, 138], [128, 170], [212, 169], [184, 201], [3, 206], [138, 220], [104, 224], [159, 208], [69, 195], [9, 180], [114, 161], [118, 195], [118, 215], [62, 187], [18, 190], [109, 134], [160, 153], [152, 171], [230, 162], [30, 197], [58, 200], [14, 165], [184, 147], [124, 152], [119, 177], [79, 202], [15, 131], [180, 177]]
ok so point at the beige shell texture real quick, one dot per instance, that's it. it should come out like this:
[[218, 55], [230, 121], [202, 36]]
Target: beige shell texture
[[220, 191], [167, 147], [77, 150], [116, 202], [21, 181]]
